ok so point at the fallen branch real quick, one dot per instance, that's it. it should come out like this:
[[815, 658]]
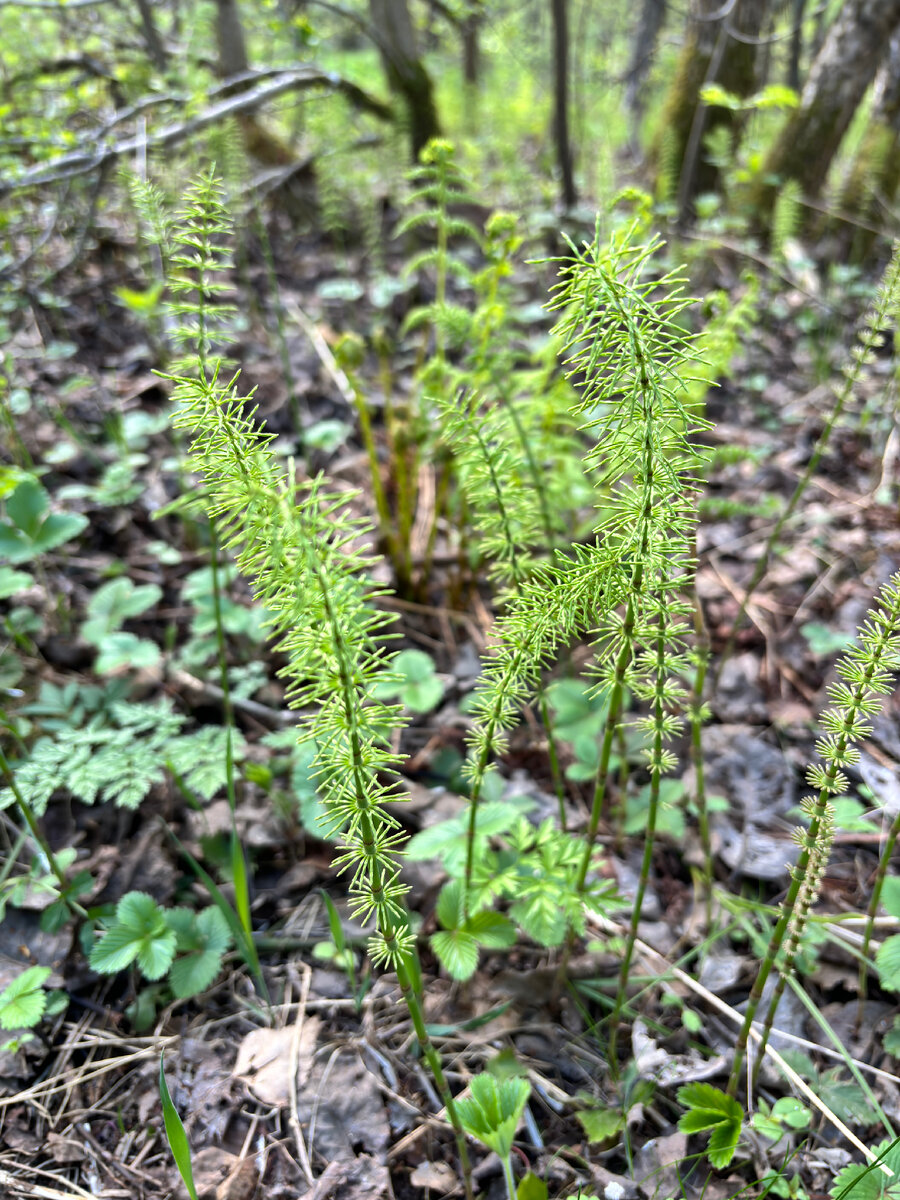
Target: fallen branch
[[82, 162]]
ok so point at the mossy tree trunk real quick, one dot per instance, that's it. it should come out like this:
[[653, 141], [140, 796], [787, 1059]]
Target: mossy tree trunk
[[405, 71], [721, 46], [838, 79], [871, 183]]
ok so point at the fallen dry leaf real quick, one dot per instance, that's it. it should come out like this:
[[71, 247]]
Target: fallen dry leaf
[[264, 1056]]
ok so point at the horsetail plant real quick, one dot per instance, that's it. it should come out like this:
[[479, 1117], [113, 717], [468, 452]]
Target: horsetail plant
[[197, 285], [865, 675], [631, 359], [623, 341], [303, 552]]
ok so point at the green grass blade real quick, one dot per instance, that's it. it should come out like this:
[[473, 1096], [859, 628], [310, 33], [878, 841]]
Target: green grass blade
[[175, 1135]]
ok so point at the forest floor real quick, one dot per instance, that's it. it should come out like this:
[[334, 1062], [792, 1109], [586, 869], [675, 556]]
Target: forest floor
[[322, 1097]]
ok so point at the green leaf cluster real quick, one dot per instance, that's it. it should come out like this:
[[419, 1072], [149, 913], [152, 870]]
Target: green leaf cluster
[[119, 755], [710, 1109], [28, 528], [151, 937]]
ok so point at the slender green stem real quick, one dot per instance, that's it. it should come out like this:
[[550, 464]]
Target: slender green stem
[[820, 851], [508, 1177], [697, 718], [656, 768], [37, 835], [613, 714], [389, 924]]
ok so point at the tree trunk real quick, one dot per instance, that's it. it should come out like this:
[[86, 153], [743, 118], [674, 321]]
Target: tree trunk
[[560, 13], [470, 25], [406, 75], [680, 103], [838, 80], [793, 72], [873, 178], [153, 41], [643, 48], [730, 51], [230, 39]]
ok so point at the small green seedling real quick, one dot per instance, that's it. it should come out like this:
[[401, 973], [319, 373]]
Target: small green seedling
[[709, 1109], [28, 529], [785, 1114], [108, 609], [491, 1115], [150, 936], [457, 943], [24, 1003], [337, 950]]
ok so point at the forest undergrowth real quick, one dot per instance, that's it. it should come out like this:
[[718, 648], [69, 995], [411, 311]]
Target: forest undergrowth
[[450, 739]]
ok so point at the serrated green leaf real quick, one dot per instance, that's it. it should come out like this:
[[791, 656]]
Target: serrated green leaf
[[449, 909], [23, 1001], [196, 971], [116, 950], [723, 1143], [493, 1110], [457, 952], [887, 960], [710, 1109], [866, 1181], [491, 929], [600, 1124]]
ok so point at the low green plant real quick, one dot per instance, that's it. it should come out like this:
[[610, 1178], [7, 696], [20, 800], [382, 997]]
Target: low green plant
[[108, 608], [25, 1002], [180, 944], [709, 1110], [864, 675], [491, 1114], [118, 755], [28, 528], [300, 547]]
